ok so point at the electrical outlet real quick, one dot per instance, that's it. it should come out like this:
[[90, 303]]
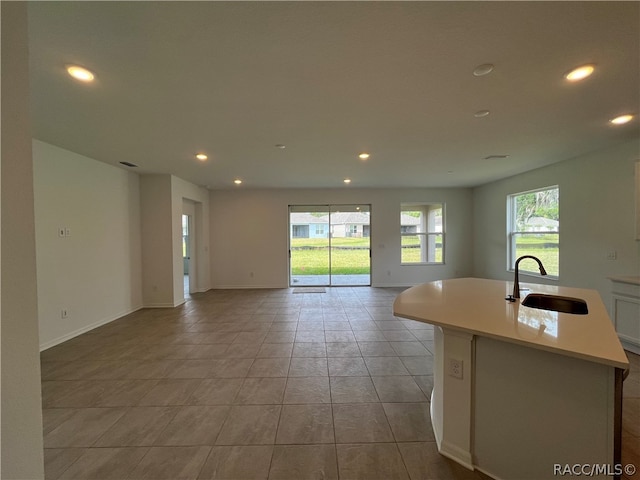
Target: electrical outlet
[[61, 232], [612, 255], [455, 368], [64, 313]]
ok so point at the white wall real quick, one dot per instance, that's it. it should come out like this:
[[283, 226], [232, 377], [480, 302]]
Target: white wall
[[94, 273], [249, 234], [596, 217], [157, 240], [21, 410], [162, 199]]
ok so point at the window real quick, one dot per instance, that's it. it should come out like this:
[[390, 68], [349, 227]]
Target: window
[[422, 233], [533, 224]]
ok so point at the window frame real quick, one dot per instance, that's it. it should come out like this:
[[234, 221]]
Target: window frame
[[427, 234], [512, 233]]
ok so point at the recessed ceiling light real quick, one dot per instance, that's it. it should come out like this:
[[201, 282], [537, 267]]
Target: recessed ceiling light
[[493, 157], [481, 113], [622, 119], [237, 181], [129, 164], [80, 73], [363, 156], [484, 69], [580, 72], [201, 156], [280, 146], [347, 180]]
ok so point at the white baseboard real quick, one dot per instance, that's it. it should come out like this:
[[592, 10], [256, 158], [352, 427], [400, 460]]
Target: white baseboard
[[457, 454], [159, 305], [391, 285], [488, 473], [629, 345], [86, 328], [272, 287], [248, 287]]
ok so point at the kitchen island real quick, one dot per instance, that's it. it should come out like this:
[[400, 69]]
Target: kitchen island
[[520, 392]]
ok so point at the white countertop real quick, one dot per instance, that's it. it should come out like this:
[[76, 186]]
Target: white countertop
[[478, 306]]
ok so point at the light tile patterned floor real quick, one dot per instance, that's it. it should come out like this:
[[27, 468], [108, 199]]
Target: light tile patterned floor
[[255, 384]]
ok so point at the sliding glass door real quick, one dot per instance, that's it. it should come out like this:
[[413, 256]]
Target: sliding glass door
[[309, 255], [329, 245], [350, 245]]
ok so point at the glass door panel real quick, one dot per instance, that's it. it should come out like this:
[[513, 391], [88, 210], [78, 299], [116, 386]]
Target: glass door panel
[[329, 245], [350, 245], [309, 253]]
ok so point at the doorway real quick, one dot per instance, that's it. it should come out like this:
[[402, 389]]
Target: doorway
[[329, 245], [186, 254]]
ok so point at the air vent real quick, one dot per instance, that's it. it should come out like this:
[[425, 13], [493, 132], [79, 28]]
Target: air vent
[[127, 164], [493, 157]]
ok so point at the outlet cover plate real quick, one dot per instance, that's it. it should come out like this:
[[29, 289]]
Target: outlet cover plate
[[455, 368]]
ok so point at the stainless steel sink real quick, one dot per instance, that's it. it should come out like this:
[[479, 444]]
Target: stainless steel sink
[[556, 303]]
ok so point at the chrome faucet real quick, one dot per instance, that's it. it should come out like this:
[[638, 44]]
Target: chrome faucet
[[516, 281]]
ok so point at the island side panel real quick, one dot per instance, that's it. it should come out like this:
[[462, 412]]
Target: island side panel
[[535, 409], [451, 407], [437, 394]]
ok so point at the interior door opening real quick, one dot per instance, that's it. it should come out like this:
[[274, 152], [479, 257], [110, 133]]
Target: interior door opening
[[329, 245], [186, 254]]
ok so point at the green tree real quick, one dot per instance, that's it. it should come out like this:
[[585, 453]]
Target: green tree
[[525, 208], [543, 203]]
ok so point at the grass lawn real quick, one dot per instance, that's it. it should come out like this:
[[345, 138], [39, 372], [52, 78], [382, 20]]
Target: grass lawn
[[324, 242], [315, 260], [411, 252], [545, 247]]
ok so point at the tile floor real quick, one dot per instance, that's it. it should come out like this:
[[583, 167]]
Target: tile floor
[[255, 384]]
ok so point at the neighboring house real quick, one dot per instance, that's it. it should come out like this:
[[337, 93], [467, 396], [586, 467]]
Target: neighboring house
[[343, 224], [350, 224], [541, 224], [305, 225], [409, 223]]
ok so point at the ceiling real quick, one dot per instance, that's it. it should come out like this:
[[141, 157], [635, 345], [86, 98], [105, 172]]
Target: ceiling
[[330, 80]]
